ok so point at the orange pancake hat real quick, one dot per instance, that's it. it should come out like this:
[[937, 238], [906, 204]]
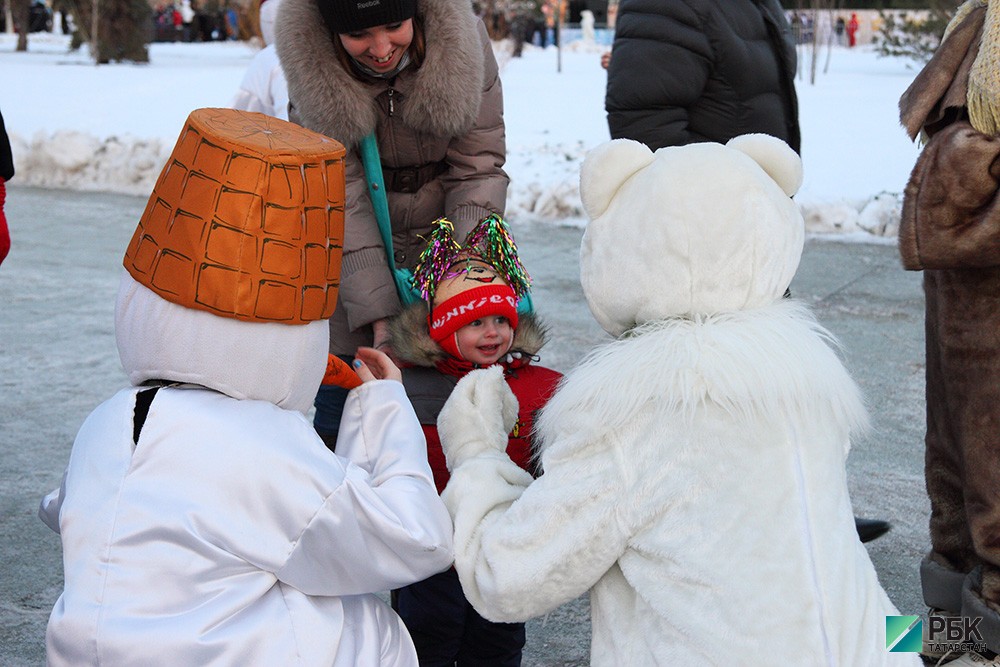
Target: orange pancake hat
[[246, 220]]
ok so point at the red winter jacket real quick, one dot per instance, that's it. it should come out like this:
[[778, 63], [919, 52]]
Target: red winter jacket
[[429, 376]]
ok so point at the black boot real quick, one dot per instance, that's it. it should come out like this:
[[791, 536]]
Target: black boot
[[869, 529]]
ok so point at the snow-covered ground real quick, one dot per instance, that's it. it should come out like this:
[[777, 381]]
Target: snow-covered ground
[[78, 126]]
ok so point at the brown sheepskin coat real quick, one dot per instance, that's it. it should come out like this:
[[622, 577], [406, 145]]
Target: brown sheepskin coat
[[950, 229]]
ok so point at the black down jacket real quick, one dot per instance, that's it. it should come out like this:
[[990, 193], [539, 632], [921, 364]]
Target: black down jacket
[[686, 71]]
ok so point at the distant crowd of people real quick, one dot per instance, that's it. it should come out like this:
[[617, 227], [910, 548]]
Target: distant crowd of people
[[40, 18], [189, 21], [845, 29]]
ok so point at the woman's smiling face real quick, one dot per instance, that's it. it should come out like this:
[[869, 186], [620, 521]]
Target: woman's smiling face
[[379, 48]]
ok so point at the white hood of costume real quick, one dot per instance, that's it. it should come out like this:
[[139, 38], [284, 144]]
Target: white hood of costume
[[160, 340], [669, 237]]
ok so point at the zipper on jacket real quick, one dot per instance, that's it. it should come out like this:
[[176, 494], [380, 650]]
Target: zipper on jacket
[[392, 107]]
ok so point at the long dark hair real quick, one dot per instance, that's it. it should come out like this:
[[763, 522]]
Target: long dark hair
[[417, 49]]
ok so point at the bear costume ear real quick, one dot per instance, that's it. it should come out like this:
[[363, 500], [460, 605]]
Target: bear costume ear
[[774, 156], [604, 170]]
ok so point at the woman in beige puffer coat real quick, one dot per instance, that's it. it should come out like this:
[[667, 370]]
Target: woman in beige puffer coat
[[438, 119]]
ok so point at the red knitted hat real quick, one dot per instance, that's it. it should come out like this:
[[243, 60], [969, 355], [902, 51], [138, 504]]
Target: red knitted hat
[[468, 306]]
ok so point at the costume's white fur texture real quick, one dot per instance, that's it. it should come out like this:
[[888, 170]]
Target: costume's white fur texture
[[693, 470], [692, 229], [489, 433]]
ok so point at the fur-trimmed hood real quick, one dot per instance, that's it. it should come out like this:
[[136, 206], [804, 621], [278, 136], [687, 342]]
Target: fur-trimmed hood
[[442, 96], [681, 365], [413, 344]]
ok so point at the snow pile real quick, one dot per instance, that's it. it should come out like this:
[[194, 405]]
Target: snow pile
[[544, 183], [110, 128], [876, 216], [72, 160]]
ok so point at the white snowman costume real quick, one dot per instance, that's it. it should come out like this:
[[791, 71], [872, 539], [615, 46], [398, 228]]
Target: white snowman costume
[[693, 469], [218, 529]]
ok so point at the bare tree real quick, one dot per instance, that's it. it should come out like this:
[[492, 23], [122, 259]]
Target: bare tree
[[21, 12], [821, 13], [124, 29]]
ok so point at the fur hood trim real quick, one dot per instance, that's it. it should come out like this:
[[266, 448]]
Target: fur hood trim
[[771, 363], [412, 342], [442, 97]]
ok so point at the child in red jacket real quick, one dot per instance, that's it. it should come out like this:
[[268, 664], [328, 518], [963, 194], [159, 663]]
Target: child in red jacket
[[473, 322]]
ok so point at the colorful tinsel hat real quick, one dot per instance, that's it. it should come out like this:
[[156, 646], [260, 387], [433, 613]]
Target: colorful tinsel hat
[[490, 241], [245, 221], [470, 290], [463, 283]]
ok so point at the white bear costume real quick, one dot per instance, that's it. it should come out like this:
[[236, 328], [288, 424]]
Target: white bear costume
[[694, 477], [223, 532]]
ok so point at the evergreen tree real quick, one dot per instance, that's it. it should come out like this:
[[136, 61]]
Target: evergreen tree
[[914, 37]]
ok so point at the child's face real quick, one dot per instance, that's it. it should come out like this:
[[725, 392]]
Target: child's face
[[485, 340]]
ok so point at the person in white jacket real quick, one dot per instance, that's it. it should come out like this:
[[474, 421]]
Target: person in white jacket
[[263, 87], [203, 521], [668, 453]]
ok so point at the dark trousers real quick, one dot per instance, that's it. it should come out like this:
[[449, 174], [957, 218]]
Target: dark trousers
[[447, 631]]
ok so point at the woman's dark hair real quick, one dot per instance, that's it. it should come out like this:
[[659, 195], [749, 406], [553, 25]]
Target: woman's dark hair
[[417, 50]]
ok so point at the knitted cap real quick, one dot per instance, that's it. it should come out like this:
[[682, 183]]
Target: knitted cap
[[342, 16], [474, 291], [245, 221]]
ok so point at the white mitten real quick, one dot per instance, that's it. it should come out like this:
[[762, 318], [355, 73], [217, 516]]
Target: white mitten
[[477, 417]]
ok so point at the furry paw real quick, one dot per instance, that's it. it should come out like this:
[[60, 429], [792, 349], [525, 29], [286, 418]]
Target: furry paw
[[477, 417]]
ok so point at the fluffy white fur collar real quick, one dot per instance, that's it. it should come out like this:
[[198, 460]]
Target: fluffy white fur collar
[[774, 360]]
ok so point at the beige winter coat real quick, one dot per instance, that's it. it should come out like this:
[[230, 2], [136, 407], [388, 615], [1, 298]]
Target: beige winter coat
[[449, 110]]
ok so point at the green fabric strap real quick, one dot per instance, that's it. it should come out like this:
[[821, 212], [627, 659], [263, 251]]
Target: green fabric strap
[[376, 189]]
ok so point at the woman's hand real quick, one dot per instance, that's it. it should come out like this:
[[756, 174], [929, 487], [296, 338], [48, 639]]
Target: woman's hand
[[371, 364]]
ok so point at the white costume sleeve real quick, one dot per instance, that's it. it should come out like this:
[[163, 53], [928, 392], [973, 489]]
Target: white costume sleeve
[[525, 547], [384, 526], [48, 510]]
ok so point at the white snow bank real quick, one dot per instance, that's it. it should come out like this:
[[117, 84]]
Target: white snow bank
[[110, 128]]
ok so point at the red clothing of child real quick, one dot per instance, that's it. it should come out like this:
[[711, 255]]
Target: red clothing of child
[[429, 375], [441, 621]]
